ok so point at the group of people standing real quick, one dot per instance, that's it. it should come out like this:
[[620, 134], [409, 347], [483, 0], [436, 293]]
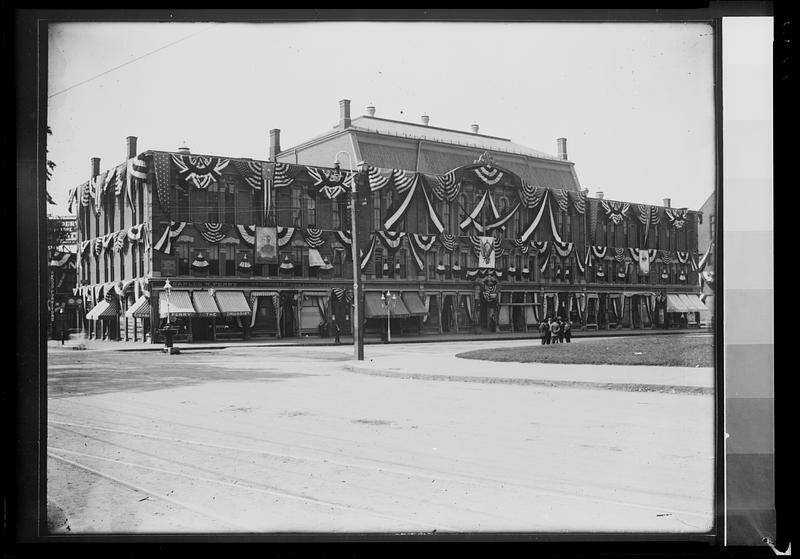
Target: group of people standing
[[555, 331]]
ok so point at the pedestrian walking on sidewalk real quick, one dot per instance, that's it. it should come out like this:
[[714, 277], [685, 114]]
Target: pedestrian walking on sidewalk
[[555, 328], [543, 331], [560, 331], [567, 330], [337, 331], [547, 337]]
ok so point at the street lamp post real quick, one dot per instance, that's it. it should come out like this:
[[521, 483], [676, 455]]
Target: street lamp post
[[388, 299], [168, 290], [167, 331], [358, 342]]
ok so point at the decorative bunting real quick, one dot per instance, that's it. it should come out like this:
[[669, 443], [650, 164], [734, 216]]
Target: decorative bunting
[[72, 197], [391, 239], [98, 246], [136, 175], [448, 242], [344, 237], [247, 233], [535, 223], [579, 201], [521, 246], [85, 193], [676, 217], [488, 174], [378, 178], [173, 230], [404, 182], [432, 215], [119, 241], [446, 187], [109, 178], [683, 257], [498, 249], [562, 199], [619, 254], [704, 260], [121, 179], [313, 238], [284, 235], [530, 196], [212, 232], [200, 261], [85, 246], [365, 258], [418, 261], [280, 175], [97, 192], [423, 242], [540, 246], [563, 249], [666, 256], [579, 262], [251, 171], [599, 252], [135, 232], [474, 213], [615, 211], [546, 261], [342, 295], [199, 170]]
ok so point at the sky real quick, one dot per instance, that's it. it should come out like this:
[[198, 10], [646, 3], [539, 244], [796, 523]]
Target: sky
[[634, 100]]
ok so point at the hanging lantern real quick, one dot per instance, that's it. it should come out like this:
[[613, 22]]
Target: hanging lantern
[[327, 265], [440, 268], [567, 274], [386, 267], [397, 266], [682, 276], [456, 267]]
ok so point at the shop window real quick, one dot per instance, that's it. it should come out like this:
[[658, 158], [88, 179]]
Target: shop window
[[199, 204], [430, 257], [227, 255], [300, 262], [183, 259]]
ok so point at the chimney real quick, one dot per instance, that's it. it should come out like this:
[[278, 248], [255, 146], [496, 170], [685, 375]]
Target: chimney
[[274, 143], [425, 119], [184, 149], [371, 111], [667, 202], [475, 128], [95, 167], [562, 148], [600, 194], [344, 113], [131, 145]]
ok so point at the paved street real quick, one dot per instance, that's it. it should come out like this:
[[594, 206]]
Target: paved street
[[276, 439]]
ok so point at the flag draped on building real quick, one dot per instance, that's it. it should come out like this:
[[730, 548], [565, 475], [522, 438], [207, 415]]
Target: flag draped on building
[[330, 183], [247, 233], [136, 175], [313, 237], [446, 187], [284, 235], [212, 232], [199, 170], [173, 230], [392, 240], [448, 242], [251, 171], [579, 201], [162, 169], [676, 217], [615, 211]]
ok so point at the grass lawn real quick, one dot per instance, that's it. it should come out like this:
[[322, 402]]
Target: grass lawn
[[673, 351]]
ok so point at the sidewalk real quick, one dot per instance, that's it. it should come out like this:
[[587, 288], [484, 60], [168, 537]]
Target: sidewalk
[[105, 345]]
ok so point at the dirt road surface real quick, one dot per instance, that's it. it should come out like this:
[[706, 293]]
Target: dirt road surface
[[288, 440]]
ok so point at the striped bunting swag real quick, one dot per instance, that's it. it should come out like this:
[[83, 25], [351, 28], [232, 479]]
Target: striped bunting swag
[[342, 295], [98, 246], [535, 223], [446, 187], [404, 183], [423, 242], [378, 178], [489, 175], [418, 261], [247, 233], [498, 249], [683, 257], [119, 179], [666, 256], [563, 249], [108, 241], [562, 198], [344, 237], [212, 232], [540, 246], [109, 178], [530, 196], [474, 213], [619, 254], [599, 252], [432, 215], [391, 239], [72, 197], [634, 253], [365, 258], [251, 172], [119, 241], [521, 246], [546, 261], [280, 175], [85, 246], [579, 262], [97, 192], [449, 242], [173, 230], [313, 237], [615, 211], [284, 235], [579, 201], [136, 171], [135, 232], [85, 189], [199, 170], [704, 260], [677, 218]]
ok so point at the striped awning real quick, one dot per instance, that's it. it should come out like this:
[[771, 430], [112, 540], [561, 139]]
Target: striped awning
[[232, 303], [139, 309], [180, 304], [675, 303], [693, 302], [414, 304], [374, 307], [102, 310], [204, 304], [254, 294]]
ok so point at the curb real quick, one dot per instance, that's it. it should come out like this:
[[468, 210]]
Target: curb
[[412, 340], [622, 386]]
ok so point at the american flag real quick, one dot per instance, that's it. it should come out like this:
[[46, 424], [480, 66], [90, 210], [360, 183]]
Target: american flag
[[137, 171], [161, 166]]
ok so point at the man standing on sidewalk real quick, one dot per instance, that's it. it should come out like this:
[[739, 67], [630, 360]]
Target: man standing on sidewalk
[[554, 330], [544, 331], [567, 328]]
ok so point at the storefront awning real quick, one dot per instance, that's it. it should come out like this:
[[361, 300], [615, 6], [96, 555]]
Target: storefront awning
[[414, 304], [232, 303], [180, 304], [374, 307], [675, 303], [139, 309], [204, 304], [102, 310], [693, 303]]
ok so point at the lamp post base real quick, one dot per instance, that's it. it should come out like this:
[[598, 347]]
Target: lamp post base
[[170, 350]]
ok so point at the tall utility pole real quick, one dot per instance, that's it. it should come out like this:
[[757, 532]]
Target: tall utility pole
[[358, 310]]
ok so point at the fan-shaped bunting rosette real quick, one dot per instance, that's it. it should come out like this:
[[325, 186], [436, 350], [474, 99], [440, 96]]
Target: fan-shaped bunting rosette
[[280, 175], [392, 240], [489, 175], [329, 183], [313, 237], [448, 242], [251, 172], [619, 254], [200, 262], [562, 199], [540, 246], [212, 232], [284, 235], [666, 256], [615, 211], [378, 178], [529, 195], [521, 246], [199, 170], [677, 217], [446, 187], [247, 233], [579, 201]]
